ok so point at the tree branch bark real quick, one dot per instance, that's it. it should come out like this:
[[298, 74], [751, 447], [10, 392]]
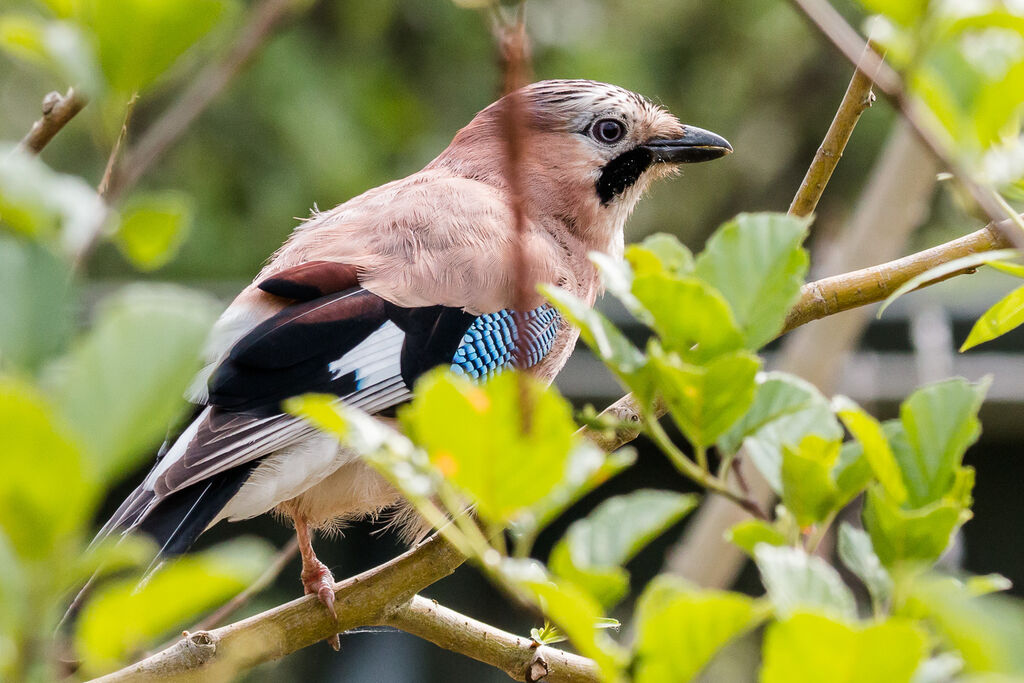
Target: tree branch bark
[[521, 658], [369, 598], [57, 111], [856, 100]]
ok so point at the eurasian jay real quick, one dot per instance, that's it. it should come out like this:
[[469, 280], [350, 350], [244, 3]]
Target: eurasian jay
[[418, 273]]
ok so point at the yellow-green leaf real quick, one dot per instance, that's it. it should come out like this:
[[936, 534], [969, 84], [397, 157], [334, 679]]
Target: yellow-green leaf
[[809, 648], [121, 617], [681, 628], [152, 228], [867, 430], [1005, 315], [482, 442]]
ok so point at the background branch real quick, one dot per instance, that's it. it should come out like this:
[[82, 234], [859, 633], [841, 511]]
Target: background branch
[[208, 84], [57, 111], [857, 98], [830, 24]]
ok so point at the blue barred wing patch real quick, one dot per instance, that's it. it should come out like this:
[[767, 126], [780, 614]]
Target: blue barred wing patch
[[489, 345]]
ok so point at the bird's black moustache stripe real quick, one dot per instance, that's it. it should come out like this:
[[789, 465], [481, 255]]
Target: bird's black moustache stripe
[[622, 172]]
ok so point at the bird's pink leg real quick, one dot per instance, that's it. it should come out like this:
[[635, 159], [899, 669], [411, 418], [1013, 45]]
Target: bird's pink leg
[[316, 577]]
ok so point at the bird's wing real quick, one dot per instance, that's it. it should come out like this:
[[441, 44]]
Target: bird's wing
[[350, 343]]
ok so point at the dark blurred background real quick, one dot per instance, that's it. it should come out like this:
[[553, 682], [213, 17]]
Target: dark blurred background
[[353, 94]]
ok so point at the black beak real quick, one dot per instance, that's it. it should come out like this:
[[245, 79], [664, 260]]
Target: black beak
[[696, 145]]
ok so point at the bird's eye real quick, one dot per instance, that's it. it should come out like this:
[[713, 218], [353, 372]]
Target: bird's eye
[[608, 131]]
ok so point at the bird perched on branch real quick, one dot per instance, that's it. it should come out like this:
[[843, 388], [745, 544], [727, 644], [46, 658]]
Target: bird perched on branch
[[418, 273]]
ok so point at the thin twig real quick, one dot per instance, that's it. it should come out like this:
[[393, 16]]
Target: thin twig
[[280, 561], [858, 97], [208, 84], [520, 658], [848, 42], [57, 111], [108, 172], [82, 251]]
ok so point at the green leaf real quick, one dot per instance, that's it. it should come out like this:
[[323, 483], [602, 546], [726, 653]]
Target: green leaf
[[905, 12], [796, 581], [867, 430], [594, 548], [31, 332], [41, 203], [1005, 315], [122, 384], [138, 40], [1014, 269], [919, 535], [388, 451], [705, 400], [785, 410], [987, 583], [603, 338], [859, 556], [660, 253], [942, 270], [122, 617], [681, 628], [152, 229], [758, 265], [808, 648], [588, 468], [808, 490], [57, 46], [747, 534], [940, 421], [579, 617], [480, 440], [852, 472], [987, 631], [47, 492], [690, 317]]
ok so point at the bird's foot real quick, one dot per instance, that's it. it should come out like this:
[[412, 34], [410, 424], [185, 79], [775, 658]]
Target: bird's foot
[[317, 580]]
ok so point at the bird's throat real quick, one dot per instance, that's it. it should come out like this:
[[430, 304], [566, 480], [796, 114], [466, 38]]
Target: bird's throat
[[622, 172]]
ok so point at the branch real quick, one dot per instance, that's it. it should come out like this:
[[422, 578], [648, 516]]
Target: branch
[[281, 560], [208, 84], [368, 598], [57, 111], [857, 98], [521, 658], [832, 295], [848, 42]]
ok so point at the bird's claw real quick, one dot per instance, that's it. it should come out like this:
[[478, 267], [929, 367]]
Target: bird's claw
[[317, 580]]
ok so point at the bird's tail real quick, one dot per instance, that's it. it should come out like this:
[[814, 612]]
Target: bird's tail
[[173, 522]]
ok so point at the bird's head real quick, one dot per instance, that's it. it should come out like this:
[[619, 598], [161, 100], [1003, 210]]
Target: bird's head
[[591, 150]]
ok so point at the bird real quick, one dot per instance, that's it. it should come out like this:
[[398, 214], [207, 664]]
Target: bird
[[418, 273]]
